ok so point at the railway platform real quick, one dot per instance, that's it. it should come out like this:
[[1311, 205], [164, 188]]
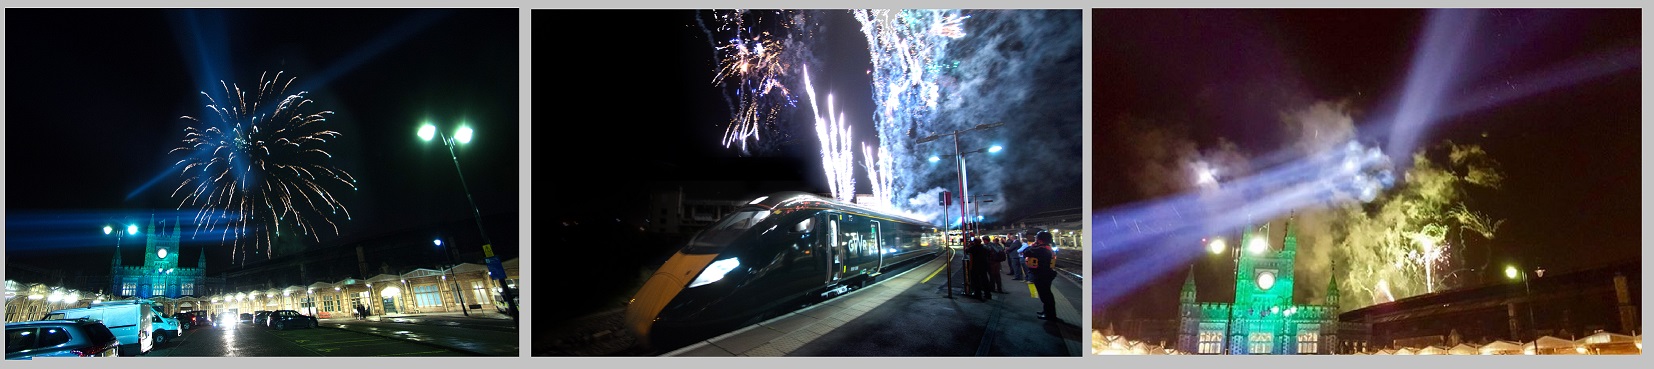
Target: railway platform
[[911, 314]]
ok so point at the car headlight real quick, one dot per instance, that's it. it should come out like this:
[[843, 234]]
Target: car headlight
[[715, 271]]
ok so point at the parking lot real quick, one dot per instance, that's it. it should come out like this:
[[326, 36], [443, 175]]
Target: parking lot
[[245, 339]]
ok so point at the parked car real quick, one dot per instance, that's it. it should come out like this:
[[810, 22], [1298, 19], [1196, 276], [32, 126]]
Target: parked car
[[261, 318], [201, 318], [284, 319], [132, 321], [60, 338], [186, 321], [246, 317]]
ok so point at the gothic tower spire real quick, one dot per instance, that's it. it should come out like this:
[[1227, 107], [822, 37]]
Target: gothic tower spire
[[1188, 296], [1332, 287], [1291, 242]]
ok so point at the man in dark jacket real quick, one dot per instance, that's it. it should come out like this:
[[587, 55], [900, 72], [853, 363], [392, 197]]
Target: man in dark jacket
[[980, 259], [1013, 252], [1039, 258], [996, 253]]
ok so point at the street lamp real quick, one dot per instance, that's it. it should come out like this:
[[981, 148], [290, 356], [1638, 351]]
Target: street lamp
[[1511, 272], [457, 295], [959, 160], [1218, 246], [131, 229], [462, 136]]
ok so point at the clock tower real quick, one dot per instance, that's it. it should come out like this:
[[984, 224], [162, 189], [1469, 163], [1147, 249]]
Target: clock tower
[[161, 249], [1262, 319]]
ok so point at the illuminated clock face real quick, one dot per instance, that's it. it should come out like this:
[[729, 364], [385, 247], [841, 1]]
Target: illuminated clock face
[[1266, 279], [162, 253]]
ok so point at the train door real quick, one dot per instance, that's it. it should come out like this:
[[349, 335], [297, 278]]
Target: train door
[[876, 241], [835, 252]]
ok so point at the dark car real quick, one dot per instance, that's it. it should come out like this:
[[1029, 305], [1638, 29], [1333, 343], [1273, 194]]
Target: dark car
[[261, 317], [185, 320], [246, 317], [60, 338], [284, 319], [201, 318]]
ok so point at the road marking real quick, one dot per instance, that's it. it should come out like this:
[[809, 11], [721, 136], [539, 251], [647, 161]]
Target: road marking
[[939, 270], [933, 274]]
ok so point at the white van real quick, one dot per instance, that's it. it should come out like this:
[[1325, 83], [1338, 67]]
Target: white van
[[132, 322]]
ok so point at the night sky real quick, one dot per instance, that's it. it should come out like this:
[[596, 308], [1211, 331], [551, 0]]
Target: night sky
[[94, 98], [1570, 151]]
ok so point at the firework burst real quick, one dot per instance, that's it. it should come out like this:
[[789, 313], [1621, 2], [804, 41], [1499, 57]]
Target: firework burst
[[258, 162], [752, 60]]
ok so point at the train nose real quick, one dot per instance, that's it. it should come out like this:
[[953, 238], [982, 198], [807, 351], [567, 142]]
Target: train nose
[[661, 288]]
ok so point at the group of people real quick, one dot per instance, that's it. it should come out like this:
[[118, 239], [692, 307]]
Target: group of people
[[1030, 262]]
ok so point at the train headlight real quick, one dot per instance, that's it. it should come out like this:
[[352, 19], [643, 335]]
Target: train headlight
[[716, 271]]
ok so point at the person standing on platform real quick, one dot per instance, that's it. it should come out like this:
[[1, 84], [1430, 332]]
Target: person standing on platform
[[996, 253], [1039, 258], [979, 259], [1013, 252]]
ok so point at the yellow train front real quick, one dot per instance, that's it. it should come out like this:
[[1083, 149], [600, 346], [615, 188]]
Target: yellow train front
[[774, 255]]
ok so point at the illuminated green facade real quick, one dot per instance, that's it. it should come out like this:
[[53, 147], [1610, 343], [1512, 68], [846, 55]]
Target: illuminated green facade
[[1266, 321], [160, 276]]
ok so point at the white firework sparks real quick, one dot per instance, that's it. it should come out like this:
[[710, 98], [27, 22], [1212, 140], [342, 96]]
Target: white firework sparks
[[837, 153], [906, 48], [880, 175]]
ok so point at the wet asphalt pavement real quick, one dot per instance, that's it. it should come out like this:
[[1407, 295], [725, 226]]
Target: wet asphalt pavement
[[342, 337]]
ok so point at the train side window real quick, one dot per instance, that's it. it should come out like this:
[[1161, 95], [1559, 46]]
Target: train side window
[[805, 226]]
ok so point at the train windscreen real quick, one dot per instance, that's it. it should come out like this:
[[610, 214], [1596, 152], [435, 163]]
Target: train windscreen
[[713, 239]]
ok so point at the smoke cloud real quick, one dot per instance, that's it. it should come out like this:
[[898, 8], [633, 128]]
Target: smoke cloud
[[1022, 69]]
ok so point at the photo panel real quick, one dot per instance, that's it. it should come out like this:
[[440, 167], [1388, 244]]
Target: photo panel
[[838, 182], [262, 182], [1366, 182]]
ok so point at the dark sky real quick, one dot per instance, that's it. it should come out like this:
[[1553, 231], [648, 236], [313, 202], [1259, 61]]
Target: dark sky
[[656, 119], [1570, 152], [94, 108]]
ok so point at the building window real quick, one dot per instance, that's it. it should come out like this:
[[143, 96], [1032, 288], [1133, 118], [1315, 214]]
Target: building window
[[158, 290], [479, 292], [129, 289], [1309, 338], [427, 296], [189, 289], [1261, 343], [1211, 338], [329, 303]]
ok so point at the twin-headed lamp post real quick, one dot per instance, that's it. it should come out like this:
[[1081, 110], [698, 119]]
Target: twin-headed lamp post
[[463, 135]]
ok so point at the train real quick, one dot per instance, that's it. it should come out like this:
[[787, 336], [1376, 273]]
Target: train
[[769, 257]]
